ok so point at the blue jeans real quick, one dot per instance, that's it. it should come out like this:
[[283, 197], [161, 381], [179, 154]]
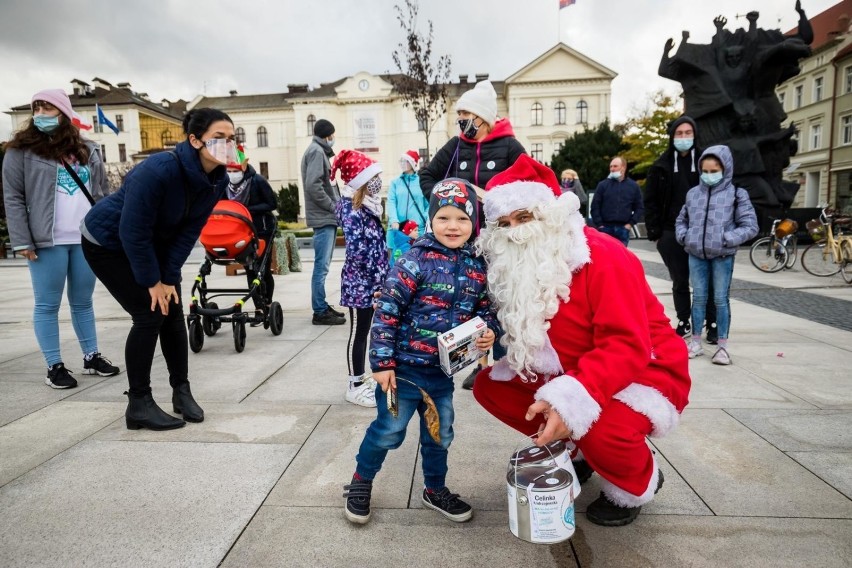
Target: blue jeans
[[620, 232], [54, 266], [323, 241], [387, 433], [701, 273]]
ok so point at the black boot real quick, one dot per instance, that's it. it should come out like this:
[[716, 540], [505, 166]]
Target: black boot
[[183, 403], [143, 412]]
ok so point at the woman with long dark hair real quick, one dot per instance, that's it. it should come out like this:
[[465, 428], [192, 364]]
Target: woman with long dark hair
[[137, 241], [51, 178]]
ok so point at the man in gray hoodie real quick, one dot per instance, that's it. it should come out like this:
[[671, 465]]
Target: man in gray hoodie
[[320, 198]]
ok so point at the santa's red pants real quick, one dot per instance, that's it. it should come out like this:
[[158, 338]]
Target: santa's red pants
[[615, 446]]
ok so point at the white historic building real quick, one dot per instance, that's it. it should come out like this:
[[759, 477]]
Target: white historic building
[[549, 99]]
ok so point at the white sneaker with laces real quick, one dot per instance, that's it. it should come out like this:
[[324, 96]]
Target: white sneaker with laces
[[695, 349], [363, 395], [721, 357]]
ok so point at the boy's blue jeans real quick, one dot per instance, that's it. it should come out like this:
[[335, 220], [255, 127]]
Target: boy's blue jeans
[[701, 272], [54, 267], [387, 433]]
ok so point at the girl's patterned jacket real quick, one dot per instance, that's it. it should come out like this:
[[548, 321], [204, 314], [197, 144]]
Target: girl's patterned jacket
[[366, 263]]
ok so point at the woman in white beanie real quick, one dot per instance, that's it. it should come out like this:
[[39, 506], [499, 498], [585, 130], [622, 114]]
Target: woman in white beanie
[[484, 147]]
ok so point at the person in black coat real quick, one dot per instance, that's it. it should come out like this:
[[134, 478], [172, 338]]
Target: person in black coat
[[252, 190], [669, 179], [136, 241]]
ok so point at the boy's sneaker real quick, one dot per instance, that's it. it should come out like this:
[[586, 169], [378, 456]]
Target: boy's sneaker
[[99, 365], [448, 504], [712, 334], [721, 357], [363, 395], [684, 329], [467, 384], [695, 349], [358, 501], [58, 377]]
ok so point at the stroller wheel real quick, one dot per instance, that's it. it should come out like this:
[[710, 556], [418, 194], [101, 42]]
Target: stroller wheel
[[196, 336], [211, 324], [239, 336], [276, 318]]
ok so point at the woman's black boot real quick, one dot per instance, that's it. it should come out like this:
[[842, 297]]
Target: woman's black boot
[[183, 403], [143, 412]]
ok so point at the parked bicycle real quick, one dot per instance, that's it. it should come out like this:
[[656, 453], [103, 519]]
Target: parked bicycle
[[777, 251], [832, 250]]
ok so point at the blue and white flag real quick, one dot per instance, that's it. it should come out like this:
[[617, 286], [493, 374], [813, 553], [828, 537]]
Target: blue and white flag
[[102, 119]]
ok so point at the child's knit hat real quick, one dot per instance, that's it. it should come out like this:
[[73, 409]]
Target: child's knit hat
[[457, 193], [408, 227]]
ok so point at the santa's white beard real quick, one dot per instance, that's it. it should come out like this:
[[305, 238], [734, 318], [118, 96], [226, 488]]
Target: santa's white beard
[[529, 274]]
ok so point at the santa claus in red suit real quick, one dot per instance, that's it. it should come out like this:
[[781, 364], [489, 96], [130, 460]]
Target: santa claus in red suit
[[591, 355]]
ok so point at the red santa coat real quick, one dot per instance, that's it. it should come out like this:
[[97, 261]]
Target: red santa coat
[[620, 358]]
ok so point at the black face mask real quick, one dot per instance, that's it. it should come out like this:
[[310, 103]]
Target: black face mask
[[468, 128]]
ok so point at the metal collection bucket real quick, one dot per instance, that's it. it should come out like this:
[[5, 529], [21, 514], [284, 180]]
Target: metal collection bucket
[[540, 491]]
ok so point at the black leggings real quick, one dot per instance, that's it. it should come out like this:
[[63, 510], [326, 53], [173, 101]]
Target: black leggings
[[113, 269], [268, 284], [360, 320]]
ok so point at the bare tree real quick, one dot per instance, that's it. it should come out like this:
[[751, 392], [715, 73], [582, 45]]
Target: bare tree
[[420, 83]]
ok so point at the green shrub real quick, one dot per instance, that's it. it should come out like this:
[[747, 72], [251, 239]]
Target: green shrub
[[288, 203]]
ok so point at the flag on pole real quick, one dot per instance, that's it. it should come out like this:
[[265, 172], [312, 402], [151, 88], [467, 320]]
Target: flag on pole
[[565, 3], [102, 119]]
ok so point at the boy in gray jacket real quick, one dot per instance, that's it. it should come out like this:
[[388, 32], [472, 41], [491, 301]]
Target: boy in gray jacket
[[716, 219]]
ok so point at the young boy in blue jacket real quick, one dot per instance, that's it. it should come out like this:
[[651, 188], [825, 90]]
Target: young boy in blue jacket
[[434, 287]]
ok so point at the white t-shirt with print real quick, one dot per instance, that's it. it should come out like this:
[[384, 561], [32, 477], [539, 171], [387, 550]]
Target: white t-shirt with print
[[71, 204]]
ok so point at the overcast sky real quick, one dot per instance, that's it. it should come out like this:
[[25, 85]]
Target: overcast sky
[[178, 48]]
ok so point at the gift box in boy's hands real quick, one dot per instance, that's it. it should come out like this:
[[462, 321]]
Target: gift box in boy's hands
[[457, 347]]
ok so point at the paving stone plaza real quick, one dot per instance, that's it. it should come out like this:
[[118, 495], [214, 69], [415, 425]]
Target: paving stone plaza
[[759, 472]]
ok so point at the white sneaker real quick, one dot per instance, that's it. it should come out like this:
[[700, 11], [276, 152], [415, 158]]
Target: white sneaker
[[695, 349], [364, 395], [721, 357]]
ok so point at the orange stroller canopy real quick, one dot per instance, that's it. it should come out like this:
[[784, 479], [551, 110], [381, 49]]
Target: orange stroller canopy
[[230, 233]]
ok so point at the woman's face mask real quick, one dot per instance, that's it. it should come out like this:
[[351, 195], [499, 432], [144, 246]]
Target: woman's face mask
[[467, 127], [46, 123], [374, 186], [567, 183], [236, 177], [222, 150]]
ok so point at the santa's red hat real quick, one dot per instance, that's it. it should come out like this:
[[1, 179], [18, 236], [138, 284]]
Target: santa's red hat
[[524, 185], [412, 157], [408, 227], [356, 169]]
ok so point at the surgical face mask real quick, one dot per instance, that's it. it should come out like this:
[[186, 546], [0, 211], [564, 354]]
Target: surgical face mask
[[614, 175], [683, 144], [330, 142], [468, 128], [235, 177], [374, 186], [46, 123], [712, 179], [222, 150]]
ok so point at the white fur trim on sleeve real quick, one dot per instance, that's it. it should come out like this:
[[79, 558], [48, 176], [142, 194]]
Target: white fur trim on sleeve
[[573, 402], [623, 498], [651, 402]]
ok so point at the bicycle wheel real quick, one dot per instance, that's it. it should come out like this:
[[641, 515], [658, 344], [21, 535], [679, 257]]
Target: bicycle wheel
[[792, 246], [767, 254], [846, 263], [819, 261]]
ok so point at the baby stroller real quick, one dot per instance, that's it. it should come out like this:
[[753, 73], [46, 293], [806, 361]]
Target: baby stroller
[[230, 236]]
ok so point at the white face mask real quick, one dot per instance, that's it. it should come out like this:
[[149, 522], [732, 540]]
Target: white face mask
[[235, 177], [330, 142]]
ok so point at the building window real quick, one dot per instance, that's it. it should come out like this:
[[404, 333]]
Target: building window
[[846, 130], [818, 82], [781, 99], [240, 135], [797, 96], [424, 157], [847, 80], [262, 141], [312, 120], [557, 147], [122, 153], [536, 114], [143, 138], [559, 113], [103, 153], [119, 122], [816, 136], [537, 151], [582, 112], [164, 138], [421, 125], [98, 126], [264, 169]]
